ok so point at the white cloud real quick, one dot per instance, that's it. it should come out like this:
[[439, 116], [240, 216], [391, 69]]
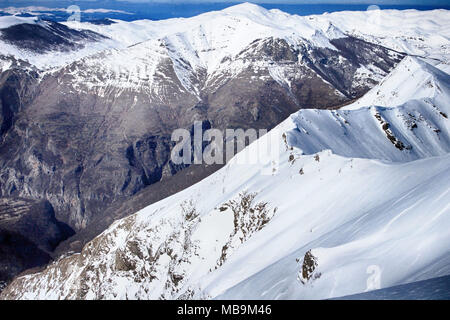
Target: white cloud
[[36, 10], [105, 11]]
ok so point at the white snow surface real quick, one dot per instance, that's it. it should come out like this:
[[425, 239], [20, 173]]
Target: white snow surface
[[337, 186]]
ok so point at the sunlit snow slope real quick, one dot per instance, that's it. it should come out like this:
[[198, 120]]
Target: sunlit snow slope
[[351, 195]]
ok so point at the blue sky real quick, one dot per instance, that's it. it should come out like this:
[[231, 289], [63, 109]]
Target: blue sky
[[390, 2]]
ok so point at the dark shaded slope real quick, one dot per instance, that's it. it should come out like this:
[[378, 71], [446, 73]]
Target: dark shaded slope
[[16, 90], [47, 36]]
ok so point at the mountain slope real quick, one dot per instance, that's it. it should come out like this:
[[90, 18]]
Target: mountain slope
[[29, 233], [87, 110], [417, 127], [398, 87], [94, 129], [314, 220]]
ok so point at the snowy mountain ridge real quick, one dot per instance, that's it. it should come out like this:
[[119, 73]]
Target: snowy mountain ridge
[[203, 41], [207, 39], [196, 56], [352, 192], [411, 80], [406, 111]]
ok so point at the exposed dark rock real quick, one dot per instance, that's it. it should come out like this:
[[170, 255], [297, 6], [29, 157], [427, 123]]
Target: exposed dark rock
[[308, 269], [123, 263], [17, 254], [104, 21], [16, 90], [248, 218], [385, 126], [29, 232]]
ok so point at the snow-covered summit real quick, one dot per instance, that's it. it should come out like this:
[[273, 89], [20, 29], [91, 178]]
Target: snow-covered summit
[[410, 31], [406, 112], [45, 44], [205, 40]]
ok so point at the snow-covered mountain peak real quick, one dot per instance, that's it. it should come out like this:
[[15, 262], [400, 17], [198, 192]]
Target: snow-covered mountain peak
[[406, 114], [202, 41], [424, 33], [208, 38], [412, 79], [46, 44], [246, 8], [347, 189]]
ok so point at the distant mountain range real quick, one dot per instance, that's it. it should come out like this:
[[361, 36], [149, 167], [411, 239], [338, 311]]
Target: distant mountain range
[[94, 11]]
